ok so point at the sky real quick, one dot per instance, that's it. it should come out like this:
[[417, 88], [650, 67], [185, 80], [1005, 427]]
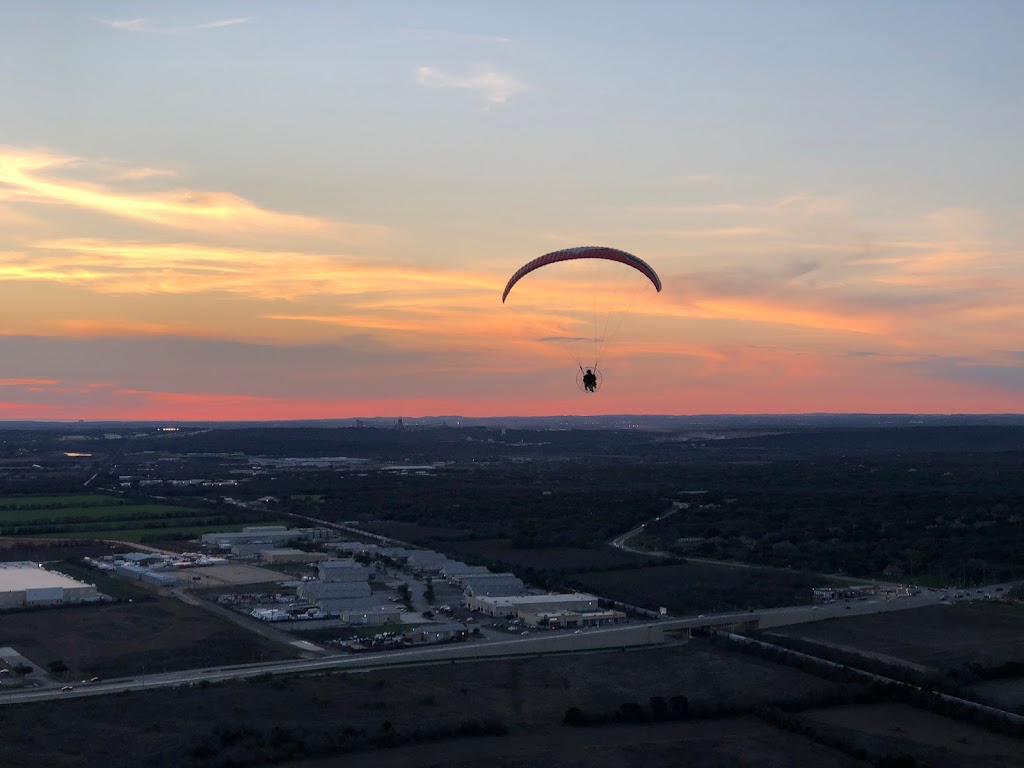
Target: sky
[[271, 210]]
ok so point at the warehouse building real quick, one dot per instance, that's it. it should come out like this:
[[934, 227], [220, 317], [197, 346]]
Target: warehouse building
[[516, 605], [356, 548], [344, 570], [289, 555], [436, 633], [25, 583], [267, 535], [315, 591], [456, 570], [570, 619], [148, 576], [426, 561], [492, 585], [370, 614]]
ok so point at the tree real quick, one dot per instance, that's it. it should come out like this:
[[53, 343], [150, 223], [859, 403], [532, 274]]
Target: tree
[[574, 716], [680, 705], [659, 707]]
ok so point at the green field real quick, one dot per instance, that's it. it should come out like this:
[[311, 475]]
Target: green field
[[79, 500], [78, 516], [155, 534]]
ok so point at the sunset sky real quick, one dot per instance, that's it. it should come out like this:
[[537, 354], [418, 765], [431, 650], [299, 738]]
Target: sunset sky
[[271, 210]]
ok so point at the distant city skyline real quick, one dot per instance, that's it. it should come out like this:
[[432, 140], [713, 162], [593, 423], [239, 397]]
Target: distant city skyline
[[266, 211]]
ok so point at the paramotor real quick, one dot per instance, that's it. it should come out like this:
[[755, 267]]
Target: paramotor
[[591, 310]]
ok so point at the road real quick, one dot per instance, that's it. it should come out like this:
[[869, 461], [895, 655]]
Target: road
[[595, 639], [799, 614], [496, 646], [620, 542]]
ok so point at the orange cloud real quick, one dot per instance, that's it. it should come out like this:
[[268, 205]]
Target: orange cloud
[[144, 267], [32, 177]]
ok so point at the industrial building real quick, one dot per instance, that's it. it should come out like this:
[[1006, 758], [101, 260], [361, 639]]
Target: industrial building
[[374, 615], [356, 548], [531, 604], [314, 591], [267, 535], [148, 576], [288, 555], [436, 633], [343, 570], [426, 561], [570, 619], [456, 570], [25, 583], [492, 585]]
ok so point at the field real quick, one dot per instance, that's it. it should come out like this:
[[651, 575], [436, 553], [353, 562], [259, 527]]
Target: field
[[252, 722], [43, 550], [933, 740], [106, 517], [117, 640], [944, 637]]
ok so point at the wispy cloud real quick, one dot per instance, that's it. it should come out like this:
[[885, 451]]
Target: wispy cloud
[[135, 174], [27, 382], [148, 27], [35, 177], [495, 87], [109, 266]]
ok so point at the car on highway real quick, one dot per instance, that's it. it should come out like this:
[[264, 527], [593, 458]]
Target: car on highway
[[68, 688]]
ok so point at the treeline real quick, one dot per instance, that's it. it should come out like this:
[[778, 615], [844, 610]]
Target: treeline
[[958, 519]]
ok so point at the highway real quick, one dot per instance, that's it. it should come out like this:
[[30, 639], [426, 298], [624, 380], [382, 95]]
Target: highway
[[495, 646], [594, 639]]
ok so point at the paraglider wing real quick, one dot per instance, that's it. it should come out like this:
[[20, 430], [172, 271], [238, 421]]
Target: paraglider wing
[[584, 252]]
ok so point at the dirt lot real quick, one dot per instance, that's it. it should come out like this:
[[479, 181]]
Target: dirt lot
[[248, 721], [943, 637], [233, 574], [132, 638], [935, 741]]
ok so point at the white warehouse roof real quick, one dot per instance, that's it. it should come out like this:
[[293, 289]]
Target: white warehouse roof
[[24, 574]]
